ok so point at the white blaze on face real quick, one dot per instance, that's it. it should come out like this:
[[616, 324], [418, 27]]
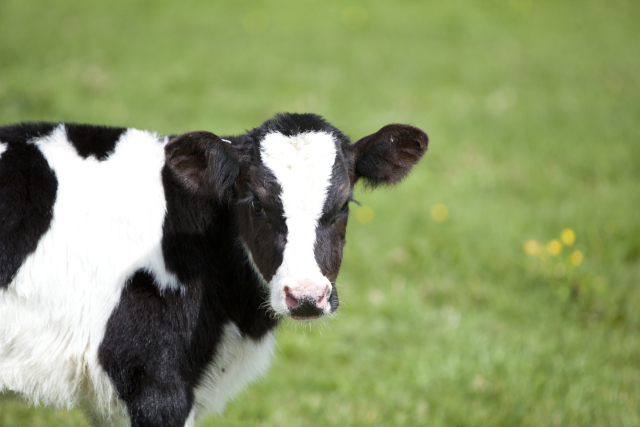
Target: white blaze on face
[[302, 164]]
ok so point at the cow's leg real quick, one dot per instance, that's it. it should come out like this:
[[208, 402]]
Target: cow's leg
[[147, 353]]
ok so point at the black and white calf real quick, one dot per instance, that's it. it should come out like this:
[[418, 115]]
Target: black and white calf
[[142, 276]]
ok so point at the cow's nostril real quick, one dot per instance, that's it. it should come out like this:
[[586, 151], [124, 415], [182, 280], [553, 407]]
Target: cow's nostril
[[292, 302], [323, 297]]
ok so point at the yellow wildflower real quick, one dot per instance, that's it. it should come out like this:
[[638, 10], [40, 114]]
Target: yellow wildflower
[[531, 247], [439, 212], [568, 236], [576, 258], [554, 247], [364, 214]]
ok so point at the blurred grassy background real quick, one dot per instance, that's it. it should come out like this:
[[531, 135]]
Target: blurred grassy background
[[456, 308]]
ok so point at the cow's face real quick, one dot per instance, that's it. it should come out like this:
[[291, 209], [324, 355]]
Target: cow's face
[[290, 185], [293, 216]]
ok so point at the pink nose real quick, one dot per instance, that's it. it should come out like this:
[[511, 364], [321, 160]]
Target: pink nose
[[307, 301]]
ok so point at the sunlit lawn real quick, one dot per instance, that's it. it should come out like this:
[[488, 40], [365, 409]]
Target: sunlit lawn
[[463, 301]]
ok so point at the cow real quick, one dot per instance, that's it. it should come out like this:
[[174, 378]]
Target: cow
[[142, 276]]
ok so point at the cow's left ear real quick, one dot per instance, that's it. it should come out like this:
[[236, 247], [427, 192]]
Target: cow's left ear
[[388, 155], [203, 163]]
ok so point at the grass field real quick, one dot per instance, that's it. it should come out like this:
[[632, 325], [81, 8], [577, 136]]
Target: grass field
[[463, 302]]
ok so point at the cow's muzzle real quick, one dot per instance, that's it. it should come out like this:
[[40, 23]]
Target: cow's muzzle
[[308, 302]]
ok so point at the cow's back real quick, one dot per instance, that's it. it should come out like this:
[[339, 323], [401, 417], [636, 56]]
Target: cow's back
[[81, 209]]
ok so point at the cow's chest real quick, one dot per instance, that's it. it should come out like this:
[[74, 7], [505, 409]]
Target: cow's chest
[[238, 361]]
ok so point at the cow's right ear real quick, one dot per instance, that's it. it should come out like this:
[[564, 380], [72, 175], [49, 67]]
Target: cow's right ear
[[203, 163]]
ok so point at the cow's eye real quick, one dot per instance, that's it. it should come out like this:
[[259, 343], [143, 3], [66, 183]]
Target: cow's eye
[[257, 207], [345, 208]]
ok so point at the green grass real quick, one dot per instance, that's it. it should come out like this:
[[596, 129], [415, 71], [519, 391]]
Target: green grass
[[533, 111]]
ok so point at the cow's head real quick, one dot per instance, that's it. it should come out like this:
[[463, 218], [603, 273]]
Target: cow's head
[[290, 182]]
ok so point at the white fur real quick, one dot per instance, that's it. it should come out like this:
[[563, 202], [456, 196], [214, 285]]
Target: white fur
[[302, 164], [55, 311], [238, 361], [3, 148], [191, 421]]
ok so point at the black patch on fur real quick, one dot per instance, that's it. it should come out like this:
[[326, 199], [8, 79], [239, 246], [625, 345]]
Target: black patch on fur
[[97, 141], [340, 190], [332, 227], [148, 351], [328, 249], [264, 235], [28, 190]]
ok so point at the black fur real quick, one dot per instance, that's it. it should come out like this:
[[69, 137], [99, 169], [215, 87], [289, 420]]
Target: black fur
[[97, 141], [28, 190], [148, 351]]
